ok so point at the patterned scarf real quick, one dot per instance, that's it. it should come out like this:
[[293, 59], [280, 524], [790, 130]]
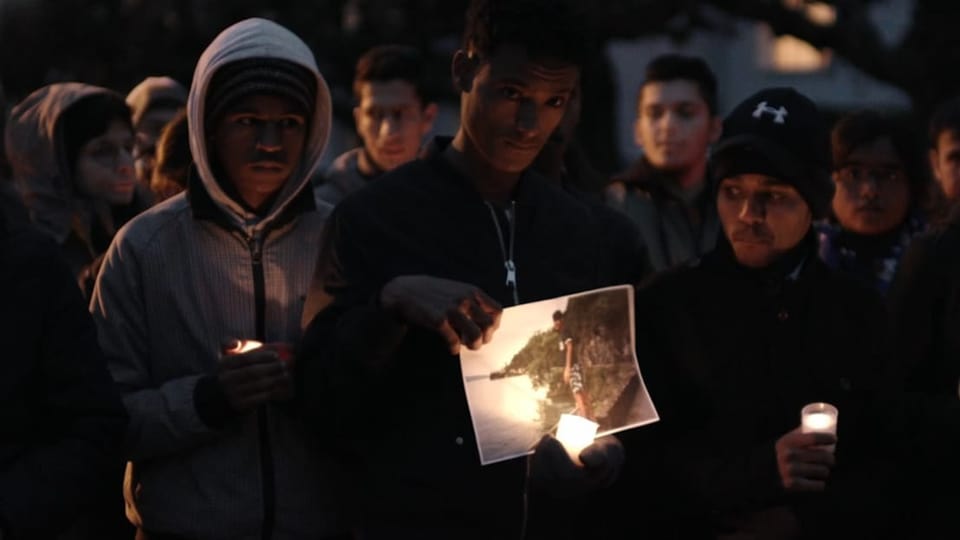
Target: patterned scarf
[[877, 268]]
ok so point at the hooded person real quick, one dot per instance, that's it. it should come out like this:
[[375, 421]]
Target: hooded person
[[155, 94], [153, 104], [69, 146], [215, 451]]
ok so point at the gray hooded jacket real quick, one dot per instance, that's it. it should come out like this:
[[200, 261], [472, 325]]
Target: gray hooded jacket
[[174, 285]]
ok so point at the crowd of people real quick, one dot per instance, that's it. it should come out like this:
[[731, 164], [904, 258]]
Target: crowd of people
[[209, 337]]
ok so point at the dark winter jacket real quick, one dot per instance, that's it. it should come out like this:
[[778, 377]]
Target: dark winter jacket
[[730, 356], [406, 419], [675, 227], [61, 420], [924, 301], [925, 304]]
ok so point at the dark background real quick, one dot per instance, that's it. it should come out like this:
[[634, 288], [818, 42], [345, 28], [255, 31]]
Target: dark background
[[116, 43]]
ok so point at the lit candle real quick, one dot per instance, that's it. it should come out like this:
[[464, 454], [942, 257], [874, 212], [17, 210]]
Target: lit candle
[[575, 433], [245, 345], [819, 422], [819, 418]]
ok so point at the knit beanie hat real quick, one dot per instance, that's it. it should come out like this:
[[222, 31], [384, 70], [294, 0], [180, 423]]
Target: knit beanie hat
[[778, 132], [271, 76]]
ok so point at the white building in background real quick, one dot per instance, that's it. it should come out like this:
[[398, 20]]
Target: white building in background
[[752, 58]]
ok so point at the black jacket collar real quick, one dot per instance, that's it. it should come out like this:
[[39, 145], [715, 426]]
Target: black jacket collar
[[527, 193], [793, 266]]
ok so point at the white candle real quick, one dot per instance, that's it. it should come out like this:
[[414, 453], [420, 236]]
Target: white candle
[[575, 433], [819, 423], [819, 418]]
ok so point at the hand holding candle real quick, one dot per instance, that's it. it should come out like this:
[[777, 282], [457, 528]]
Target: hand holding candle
[[251, 373], [805, 455], [242, 346], [575, 433], [804, 461], [558, 471]]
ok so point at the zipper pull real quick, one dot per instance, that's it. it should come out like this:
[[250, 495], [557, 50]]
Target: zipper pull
[[256, 248], [511, 273]]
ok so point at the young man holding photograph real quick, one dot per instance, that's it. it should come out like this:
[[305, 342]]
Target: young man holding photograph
[[399, 292]]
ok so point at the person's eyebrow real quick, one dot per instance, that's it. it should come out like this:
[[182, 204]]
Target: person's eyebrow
[[512, 81], [775, 183]]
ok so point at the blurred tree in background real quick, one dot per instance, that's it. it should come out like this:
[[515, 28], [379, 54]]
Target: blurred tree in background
[[117, 43]]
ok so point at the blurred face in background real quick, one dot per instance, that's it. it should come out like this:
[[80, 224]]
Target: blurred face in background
[[392, 121], [945, 163], [104, 167], [674, 125], [872, 190]]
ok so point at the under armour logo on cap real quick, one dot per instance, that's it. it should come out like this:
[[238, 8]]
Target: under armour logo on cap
[[757, 138], [779, 114]]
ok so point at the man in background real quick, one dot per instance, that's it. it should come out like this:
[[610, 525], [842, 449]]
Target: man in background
[[392, 116]]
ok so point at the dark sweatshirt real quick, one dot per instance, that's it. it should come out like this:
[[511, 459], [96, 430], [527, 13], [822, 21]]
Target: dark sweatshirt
[[60, 417], [395, 394]]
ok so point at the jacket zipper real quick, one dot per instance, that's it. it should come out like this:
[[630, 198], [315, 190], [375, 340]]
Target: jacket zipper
[[510, 266], [255, 243], [506, 252]]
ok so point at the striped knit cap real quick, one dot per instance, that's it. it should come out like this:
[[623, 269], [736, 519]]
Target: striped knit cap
[[271, 76]]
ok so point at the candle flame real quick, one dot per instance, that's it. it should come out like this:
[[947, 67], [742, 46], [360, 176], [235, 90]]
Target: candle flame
[[575, 433], [246, 345]]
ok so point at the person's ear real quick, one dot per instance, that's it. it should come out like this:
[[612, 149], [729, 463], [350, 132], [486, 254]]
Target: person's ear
[[464, 69]]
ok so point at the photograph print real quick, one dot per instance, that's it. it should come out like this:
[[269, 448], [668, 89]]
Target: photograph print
[[574, 354]]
